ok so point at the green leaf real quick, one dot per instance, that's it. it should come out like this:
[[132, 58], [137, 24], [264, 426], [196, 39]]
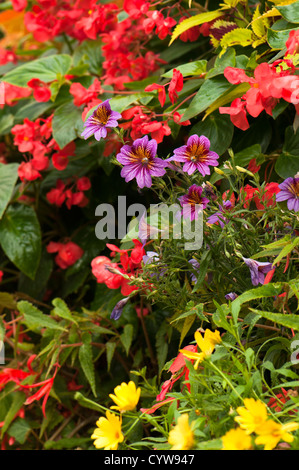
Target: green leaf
[[267, 290], [62, 310], [7, 301], [190, 69], [277, 39], [17, 403], [290, 12], [20, 238], [8, 179], [67, 124], [34, 319], [209, 92], [86, 361], [89, 51], [110, 348], [195, 20], [218, 129], [46, 69], [286, 320], [243, 158], [126, 337], [20, 430]]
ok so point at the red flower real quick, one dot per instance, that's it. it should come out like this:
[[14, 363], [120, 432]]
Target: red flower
[[19, 5], [292, 43], [268, 197], [253, 167], [44, 391], [68, 253], [1, 275], [27, 172], [175, 85], [84, 96], [57, 195], [41, 91], [161, 92], [237, 113], [13, 93]]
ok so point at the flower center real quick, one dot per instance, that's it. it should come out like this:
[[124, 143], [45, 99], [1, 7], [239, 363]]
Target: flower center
[[101, 115], [197, 153], [143, 156], [294, 188]]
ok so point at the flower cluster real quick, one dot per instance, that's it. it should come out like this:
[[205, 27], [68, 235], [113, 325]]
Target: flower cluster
[[71, 193], [253, 418]]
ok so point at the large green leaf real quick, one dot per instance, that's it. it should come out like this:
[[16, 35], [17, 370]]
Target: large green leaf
[[287, 163], [8, 179], [67, 124], [218, 129], [209, 92], [46, 69], [290, 12], [20, 238]]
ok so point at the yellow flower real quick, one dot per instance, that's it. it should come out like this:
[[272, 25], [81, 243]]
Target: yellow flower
[[236, 439], [270, 433], [126, 397], [181, 436], [108, 433], [253, 415], [206, 344]]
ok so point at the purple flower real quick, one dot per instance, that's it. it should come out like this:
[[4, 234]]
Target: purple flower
[[257, 270], [196, 155], [118, 309], [289, 191], [218, 216], [231, 296], [140, 162], [192, 202], [101, 118], [195, 266]]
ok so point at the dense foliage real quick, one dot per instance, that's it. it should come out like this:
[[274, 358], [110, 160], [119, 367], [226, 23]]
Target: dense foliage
[[139, 339]]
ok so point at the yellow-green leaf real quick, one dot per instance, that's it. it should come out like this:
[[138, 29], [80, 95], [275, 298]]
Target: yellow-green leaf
[[195, 20], [236, 37], [257, 24]]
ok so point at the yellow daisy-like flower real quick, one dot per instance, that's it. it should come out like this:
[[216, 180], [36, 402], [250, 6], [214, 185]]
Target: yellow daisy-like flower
[[108, 433], [252, 415], [236, 439], [205, 343], [270, 433], [126, 397], [181, 436]]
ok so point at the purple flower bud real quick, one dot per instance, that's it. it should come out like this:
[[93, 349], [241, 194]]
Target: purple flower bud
[[118, 309]]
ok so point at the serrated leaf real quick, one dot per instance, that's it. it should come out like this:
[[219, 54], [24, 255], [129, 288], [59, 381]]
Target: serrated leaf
[[236, 37], [20, 430], [127, 336], [195, 20], [267, 290], [62, 310], [257, 24], [286, 320], [34, 319], [86, 361]]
